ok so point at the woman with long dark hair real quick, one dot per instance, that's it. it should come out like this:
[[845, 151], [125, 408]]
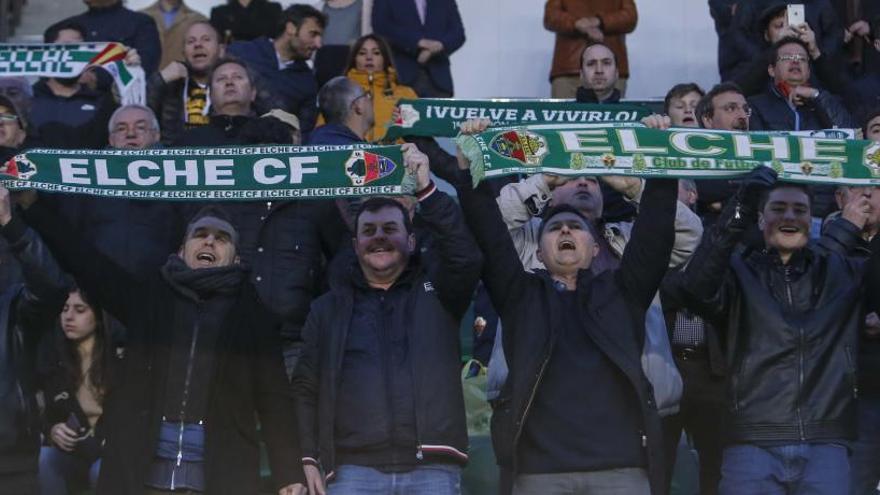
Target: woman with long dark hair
[[74, 386], [370, 65]]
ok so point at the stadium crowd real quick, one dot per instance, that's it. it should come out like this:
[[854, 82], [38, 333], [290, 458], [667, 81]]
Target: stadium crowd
[[316, 346]]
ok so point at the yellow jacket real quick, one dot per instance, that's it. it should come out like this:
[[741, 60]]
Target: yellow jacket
[[385, 92]]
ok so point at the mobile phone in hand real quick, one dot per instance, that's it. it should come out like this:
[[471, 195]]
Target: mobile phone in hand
[[795, 14]]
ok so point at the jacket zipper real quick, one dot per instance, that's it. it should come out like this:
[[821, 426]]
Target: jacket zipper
[[186, 383], [852, 369], [801, 345], [525, 414]]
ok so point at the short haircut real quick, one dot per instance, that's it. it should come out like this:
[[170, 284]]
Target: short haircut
[[688, 184], [565, 208], [782, 185], [336, 97], [204, 22], [788, 40], [154, 122], [51, 33], [213, 211], [679, 91], [597, 43], [296, 14], [705, 108], [252, 78], [265, 130], [870, 115], [377, 203]]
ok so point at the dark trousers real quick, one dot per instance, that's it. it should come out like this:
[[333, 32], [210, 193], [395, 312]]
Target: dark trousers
[[424, 86], [865, 460], [700, 416], [21, 483]]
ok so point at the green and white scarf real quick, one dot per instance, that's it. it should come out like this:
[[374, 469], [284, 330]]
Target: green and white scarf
[[440, 117], [71, 60]]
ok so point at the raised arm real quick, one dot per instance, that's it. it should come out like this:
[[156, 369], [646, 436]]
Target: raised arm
[[305, 393], [646, 256], [45, 284]]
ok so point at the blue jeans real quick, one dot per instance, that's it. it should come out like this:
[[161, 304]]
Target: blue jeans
[[60, 470], [865, 459], [431, 479], [796, 469]]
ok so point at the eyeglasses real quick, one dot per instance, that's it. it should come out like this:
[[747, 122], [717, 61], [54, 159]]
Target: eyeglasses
[[139, 129], [795, 57], [735, 107], [8, 117]]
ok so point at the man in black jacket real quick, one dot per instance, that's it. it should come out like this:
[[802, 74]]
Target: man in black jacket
[[564, 328], [179, 93], [25, 309], [599, 75], [233, 93], [202, 366], [793, 313], [378, 388]]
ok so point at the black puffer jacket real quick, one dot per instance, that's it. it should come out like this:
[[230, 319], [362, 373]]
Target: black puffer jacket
[[792, 330], [25, 309], [166, 100], [613, 306], [427, 306]]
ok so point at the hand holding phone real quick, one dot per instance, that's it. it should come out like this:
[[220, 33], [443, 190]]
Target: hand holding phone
[[795, 14]]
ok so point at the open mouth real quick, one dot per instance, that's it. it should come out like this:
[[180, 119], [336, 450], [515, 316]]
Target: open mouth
[[206, 257], [688, 120], [788, 229], [567, 245]]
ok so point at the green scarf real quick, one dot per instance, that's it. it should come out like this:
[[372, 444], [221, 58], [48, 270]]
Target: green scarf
[[70, 60], [246, 173], [441, 117], [683, 153]]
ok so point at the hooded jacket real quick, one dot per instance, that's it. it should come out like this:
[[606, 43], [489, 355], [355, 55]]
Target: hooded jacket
[[385, 91]]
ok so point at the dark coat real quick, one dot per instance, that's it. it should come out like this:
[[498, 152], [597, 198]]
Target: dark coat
[[25, 310], [428, 309], [166, 100], [133, 29], [333, 134], [248, 381], [792, 330], [399, 23], [293, 89], [222, 130], [78, 121], [237, 23], [771, 112], [613, 306]]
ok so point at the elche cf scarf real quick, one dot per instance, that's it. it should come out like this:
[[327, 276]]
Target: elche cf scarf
[[248, 173], [441, 117], [70, 60]]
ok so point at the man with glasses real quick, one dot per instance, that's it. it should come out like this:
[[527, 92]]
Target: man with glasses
[[790, 102], [12, 131], [348, 111]]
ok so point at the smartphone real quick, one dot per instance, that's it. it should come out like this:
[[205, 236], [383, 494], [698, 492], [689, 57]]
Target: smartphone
[[795, 14]]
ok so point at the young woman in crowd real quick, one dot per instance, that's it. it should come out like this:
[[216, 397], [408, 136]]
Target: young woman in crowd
[[370, 65], [74, 385]]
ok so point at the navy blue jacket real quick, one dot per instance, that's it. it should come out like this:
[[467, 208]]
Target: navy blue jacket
[[398, 22], [771, 112], [333, 134], [133, 29], [78, 121], [294, 88]]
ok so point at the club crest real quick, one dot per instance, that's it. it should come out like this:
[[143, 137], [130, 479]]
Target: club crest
[[872, 159], [20, 167], [521, 145], [407, 116], [363, 167]]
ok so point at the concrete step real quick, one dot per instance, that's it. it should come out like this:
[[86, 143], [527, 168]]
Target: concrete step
[[40, 14]]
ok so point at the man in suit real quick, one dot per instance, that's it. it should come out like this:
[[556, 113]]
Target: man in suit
[[423, 36]]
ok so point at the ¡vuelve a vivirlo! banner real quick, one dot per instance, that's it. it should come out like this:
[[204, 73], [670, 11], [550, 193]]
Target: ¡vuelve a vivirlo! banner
[[441, 117], [631, 149], [70, 60], [244, 173]]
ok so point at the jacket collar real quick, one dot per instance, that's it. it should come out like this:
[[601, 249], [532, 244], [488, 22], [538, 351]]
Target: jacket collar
[[585, 95]]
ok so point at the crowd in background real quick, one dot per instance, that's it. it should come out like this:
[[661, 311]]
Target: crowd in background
[[316, 346]]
